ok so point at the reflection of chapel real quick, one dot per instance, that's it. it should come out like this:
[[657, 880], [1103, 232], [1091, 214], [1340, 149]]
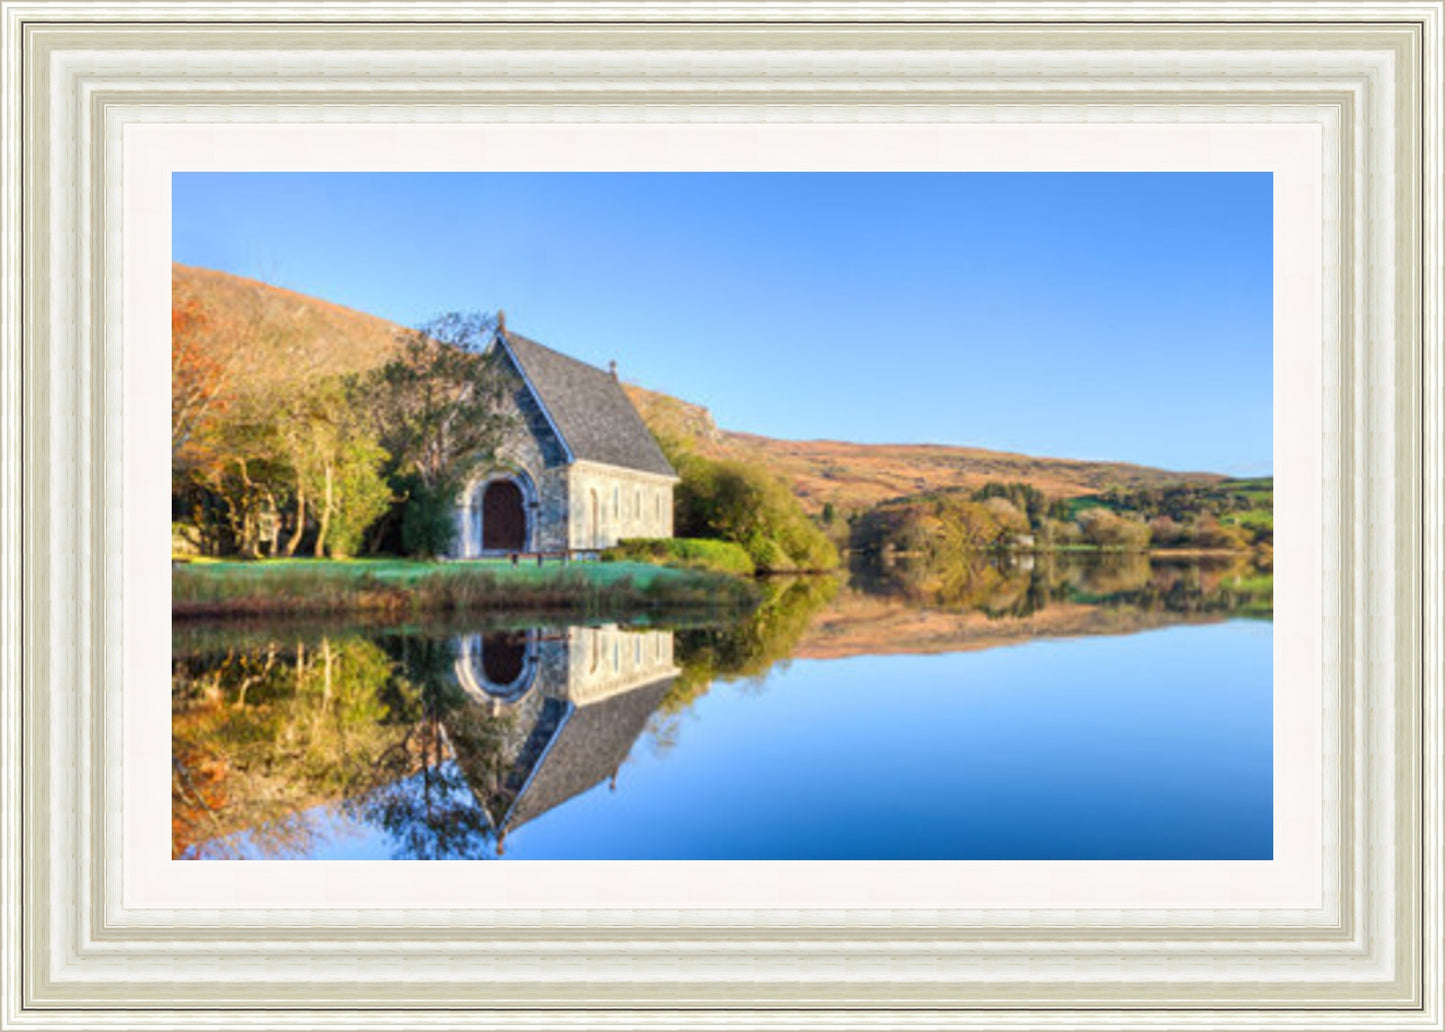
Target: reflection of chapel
[[571, 702], [579, 471]]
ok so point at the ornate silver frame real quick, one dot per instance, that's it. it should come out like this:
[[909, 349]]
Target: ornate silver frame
[[77, 74]]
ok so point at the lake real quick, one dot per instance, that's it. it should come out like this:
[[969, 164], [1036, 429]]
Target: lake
[[1061, 708]]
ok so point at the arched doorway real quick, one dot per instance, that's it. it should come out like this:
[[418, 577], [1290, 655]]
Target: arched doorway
[[504, 517], [497, 667], [504, 657]]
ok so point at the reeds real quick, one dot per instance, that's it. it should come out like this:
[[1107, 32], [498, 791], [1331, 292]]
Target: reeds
[[244, 590]]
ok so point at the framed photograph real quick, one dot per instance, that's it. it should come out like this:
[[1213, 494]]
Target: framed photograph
[[689, 515]]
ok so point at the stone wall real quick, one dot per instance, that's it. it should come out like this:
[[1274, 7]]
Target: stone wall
[[606, 661], [580, 664], [610, 503], [531, 455], [582, 506]]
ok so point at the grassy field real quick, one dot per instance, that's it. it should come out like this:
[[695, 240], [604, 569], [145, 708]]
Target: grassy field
[[398, 587]]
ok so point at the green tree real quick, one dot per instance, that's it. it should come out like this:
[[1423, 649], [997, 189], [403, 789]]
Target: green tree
[[439, 402], [1107, 529], [358, 496], [325, 434], [438, 410], [243, 480], [736, 501], [1026, 498]]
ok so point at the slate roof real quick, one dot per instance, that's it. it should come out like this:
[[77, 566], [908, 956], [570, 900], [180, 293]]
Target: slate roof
[[588, 407], [592, 743]]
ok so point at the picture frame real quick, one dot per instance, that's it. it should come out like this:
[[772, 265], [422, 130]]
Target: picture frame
[[84, 85]]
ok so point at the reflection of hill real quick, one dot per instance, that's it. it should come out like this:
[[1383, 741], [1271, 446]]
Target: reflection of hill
[[981, 601], [859, 624]]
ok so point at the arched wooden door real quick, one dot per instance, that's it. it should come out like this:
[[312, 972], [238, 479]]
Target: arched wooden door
[[504, 518], [504, 658]]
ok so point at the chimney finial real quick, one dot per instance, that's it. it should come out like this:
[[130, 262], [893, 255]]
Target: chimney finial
[[501, 322], [612, 368]]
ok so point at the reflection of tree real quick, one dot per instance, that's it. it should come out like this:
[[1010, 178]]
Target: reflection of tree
[[264, 731], [751, 646], [991, 582], [1001, 585], [431, 815], [259, 734], [424, 802]]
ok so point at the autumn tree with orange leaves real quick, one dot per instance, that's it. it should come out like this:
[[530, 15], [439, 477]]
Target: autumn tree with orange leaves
[[199, 376]]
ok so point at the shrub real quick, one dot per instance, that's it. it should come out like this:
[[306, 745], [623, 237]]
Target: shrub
[[1110, 530], [429, 520], [1059, 533], [691, 553], [936, 525], [768, 555], [744, 503], [1165, 532], [1208, 532]]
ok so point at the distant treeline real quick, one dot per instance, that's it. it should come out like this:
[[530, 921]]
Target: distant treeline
[[1005, 584], [1234, 516]]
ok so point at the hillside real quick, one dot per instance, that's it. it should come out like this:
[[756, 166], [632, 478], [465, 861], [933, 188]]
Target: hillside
[[857, 476], [274, 335], [270, 334]]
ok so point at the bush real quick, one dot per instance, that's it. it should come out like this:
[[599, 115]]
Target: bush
[[744, 503], [1059, 533], [690, 553], [429, 521], [1110, 530], [1165, 532], [1207, 532], [942, 524]]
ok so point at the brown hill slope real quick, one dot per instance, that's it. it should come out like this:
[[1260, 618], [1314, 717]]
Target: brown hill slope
[[855, 476], [280, 336], [273, 335]]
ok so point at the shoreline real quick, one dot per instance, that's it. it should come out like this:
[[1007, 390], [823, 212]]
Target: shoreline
[[1152, 553], [395, 589]]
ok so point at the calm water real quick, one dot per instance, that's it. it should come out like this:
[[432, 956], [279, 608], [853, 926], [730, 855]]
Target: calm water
[[1075, 711]]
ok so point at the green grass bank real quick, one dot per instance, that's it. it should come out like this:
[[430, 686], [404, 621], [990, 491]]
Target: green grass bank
[[397, 588]]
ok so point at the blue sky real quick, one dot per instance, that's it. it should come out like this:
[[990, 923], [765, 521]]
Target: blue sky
[[1120, 316]]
